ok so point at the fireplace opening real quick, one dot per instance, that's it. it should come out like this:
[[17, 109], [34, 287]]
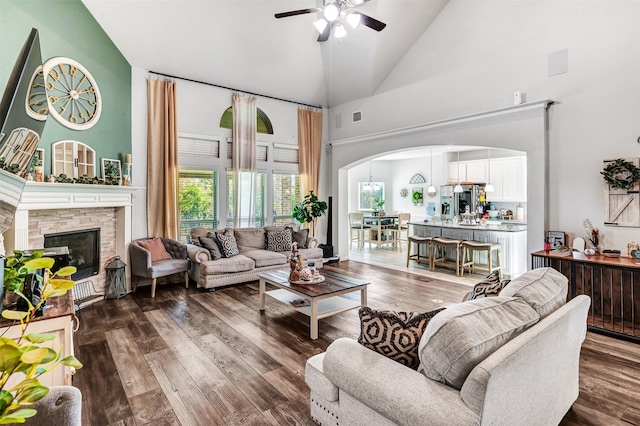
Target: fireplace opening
[[84, 250]]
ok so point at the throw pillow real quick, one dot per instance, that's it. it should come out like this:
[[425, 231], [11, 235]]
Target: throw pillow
[[395, 335], [228, 245], [279, 240], [211, 244], [155, 246], [465, 334], [489, 287], [544, 289], [299, 237]]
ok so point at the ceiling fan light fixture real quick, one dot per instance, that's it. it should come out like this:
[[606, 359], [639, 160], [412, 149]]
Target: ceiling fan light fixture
[[353, 18], [331, 12], [320, 25], [339, 31]]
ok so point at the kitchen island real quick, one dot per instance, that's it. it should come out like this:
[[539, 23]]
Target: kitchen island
[[511, 236]]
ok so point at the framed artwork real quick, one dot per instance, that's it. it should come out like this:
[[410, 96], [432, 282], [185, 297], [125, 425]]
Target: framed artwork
[[556, 238], [111, 169], [39, 155]]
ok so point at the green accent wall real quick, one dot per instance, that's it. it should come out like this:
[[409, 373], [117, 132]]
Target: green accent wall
[[67, 29]]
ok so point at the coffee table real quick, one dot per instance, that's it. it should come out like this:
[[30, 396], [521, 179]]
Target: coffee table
[[325, 298]]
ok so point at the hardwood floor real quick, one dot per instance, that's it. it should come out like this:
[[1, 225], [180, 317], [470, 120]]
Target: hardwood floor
[[189, 357]]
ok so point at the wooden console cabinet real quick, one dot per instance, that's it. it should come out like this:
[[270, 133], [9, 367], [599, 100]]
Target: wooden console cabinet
[[57, 320], [612, 283]]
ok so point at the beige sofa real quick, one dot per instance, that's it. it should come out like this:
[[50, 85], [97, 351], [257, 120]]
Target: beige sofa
[[530, 379], [254, 258]]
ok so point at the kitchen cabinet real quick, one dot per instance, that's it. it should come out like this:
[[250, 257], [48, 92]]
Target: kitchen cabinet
[[509, 179], [470, 171], [513, 250]]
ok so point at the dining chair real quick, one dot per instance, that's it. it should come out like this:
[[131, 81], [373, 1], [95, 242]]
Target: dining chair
[[401, 225], [357, 229]]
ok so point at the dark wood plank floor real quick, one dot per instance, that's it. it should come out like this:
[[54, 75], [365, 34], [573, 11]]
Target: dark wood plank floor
[[189, 357]]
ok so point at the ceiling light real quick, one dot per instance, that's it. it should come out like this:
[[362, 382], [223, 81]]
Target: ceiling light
[[431, 190], [320, 25], [488, 187], [353, 18], [339, 31], [331, 12]]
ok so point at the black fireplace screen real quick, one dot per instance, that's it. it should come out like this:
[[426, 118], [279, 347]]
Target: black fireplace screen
[[84, 250]]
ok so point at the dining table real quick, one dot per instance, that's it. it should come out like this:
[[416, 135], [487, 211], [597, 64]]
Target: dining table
[[380, 224]]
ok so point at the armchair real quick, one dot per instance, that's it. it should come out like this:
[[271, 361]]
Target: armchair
[[152, 258], [61, 406]]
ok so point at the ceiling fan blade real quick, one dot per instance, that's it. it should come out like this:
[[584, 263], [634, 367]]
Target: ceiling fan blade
[[326, 33], [371, 22], [296, 12]]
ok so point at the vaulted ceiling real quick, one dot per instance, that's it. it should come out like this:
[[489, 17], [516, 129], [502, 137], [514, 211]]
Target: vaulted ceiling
[[239, 44]]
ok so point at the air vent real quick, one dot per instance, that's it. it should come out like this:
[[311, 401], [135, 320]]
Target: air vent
[[357, 116]]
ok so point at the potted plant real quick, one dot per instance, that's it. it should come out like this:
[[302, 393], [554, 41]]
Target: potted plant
[[15, 273], [378, 205], [309, 210], [23, 356]]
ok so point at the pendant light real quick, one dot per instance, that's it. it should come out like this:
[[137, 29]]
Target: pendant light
[[458, 187], [431, 190], [489, 187], [370, 186]]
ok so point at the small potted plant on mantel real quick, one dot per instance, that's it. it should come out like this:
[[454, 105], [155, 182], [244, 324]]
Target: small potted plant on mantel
[[22, 359]]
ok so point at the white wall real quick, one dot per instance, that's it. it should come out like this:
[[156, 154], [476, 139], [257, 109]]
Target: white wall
[[477, 53]]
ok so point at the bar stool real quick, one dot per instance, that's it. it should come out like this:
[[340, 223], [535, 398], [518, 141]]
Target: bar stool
[[439, 248], [468, 250], [419, 242]]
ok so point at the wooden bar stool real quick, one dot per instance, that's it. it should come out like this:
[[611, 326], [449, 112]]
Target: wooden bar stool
[[468, 250], [419, 242], [439, 248]]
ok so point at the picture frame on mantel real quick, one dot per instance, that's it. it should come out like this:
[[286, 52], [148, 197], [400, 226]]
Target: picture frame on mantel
[[106, 163]]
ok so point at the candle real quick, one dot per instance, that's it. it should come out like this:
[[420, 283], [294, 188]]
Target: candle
[[127, 159]]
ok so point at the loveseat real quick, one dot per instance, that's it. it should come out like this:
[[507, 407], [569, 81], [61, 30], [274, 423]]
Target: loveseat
[[475, 369], [259, 250]]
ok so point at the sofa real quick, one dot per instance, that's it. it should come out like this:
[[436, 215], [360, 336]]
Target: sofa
[[259, 250], [526, 377]]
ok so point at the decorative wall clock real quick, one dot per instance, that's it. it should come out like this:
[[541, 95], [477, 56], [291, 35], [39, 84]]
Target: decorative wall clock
[[73, 96], [36, 100]]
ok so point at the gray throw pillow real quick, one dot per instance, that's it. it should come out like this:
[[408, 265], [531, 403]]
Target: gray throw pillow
[[211, 244], [299, 237], [279, 241], [227, 243]]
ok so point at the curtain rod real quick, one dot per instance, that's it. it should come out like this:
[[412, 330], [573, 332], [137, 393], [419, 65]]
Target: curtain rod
[[235, 90]]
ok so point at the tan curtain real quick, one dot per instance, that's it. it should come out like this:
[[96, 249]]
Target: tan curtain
[[162, 159], [244, 160], [309, 149]]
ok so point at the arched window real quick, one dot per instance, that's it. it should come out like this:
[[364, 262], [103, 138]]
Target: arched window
[[263, 122]]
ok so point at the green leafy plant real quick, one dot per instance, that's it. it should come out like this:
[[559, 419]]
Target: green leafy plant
[[309, 210], [23, 356], [15, 270], [379, 203], [416, 197]]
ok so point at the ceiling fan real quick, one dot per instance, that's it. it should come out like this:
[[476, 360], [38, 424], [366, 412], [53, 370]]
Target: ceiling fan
[[332, 15]]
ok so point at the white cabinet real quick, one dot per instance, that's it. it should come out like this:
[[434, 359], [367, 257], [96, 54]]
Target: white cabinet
[[74, 159], [509, 179], [513, 250], [470, 171]]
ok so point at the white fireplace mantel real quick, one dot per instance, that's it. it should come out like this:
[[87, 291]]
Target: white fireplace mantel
[[45, 196]]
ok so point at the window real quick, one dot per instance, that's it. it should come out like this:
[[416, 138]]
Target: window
[[259, 199], [262, 121], [286, 194], [197, 200], [367, 192]]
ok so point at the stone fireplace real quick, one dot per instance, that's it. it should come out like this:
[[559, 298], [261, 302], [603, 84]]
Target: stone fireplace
[[47, 208]]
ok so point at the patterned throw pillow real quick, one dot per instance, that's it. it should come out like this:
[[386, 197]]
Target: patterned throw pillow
[[489, 287], [279, 240], [299, 237], [395, 335], [211, 244], [227, 243]]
